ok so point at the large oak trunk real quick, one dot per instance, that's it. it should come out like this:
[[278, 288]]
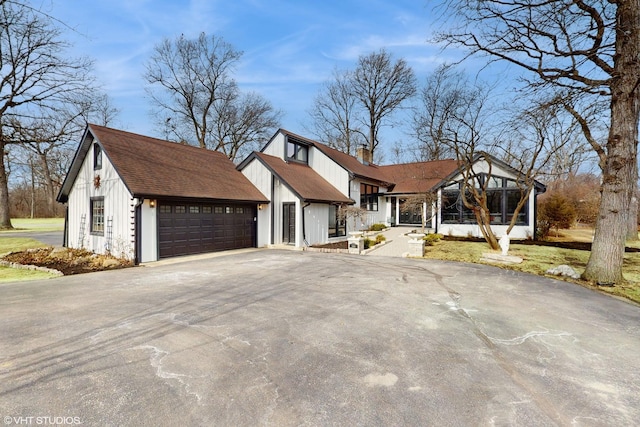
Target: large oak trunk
[[5, 218], [619, 172]]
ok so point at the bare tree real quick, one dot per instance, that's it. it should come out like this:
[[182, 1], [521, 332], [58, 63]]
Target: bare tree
[[580, 47], [243, 124], [380, 86], [199, 102], [37, 76], [334, 114], [99, 109], [443, 94]]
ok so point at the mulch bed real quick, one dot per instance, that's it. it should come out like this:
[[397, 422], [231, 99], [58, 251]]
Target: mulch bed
[[71, 261]]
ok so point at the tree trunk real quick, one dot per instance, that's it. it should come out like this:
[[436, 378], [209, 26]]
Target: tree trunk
[[5, 218], [632, 223], [619, 171], [484, 222], [49, 187]]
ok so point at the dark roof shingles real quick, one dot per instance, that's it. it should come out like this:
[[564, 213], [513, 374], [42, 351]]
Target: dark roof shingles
[[303, 180], [419, 177], [154, 167]]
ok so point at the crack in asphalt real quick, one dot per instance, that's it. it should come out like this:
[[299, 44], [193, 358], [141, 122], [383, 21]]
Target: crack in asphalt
[[505, 364]]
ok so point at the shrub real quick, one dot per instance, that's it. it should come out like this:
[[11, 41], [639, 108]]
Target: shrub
[[368, 243], [543, 228], [431, 239], [377, 227], [557, 211], [380, 238]]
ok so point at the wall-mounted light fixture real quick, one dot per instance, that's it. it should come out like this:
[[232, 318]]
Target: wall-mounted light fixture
[[260, 206], [152, 203]]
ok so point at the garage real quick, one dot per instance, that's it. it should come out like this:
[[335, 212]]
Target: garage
[[187, 228]]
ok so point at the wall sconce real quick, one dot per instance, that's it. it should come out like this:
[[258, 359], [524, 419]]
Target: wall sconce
[[260, 206], [152, 203]]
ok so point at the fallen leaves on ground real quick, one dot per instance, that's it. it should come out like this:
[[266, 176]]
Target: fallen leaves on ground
[[67, 261]]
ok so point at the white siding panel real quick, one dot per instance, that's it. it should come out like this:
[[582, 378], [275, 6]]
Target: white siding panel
[[336, 175], [276, 147], [316, 218], [149, 232], [118, 208], [260, 176]]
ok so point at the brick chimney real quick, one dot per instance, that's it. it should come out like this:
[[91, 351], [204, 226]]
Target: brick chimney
[[363, 155]]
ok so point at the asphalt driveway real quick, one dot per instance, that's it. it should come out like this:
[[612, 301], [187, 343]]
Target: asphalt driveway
[[272, 337]]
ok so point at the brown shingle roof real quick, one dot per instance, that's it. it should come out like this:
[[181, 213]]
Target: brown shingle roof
[[154, 167], [302, 180], [420, 177]]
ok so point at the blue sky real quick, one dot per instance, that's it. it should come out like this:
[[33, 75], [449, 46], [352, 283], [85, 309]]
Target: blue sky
[[290, 47]]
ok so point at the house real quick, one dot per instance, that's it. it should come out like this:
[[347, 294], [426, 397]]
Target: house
[[308, 183], [144, 199]]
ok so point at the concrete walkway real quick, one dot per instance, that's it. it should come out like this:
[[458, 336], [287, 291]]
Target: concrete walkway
[[397, 243]]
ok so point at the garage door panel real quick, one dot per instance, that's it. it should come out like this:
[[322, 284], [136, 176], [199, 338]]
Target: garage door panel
[[193, 228]]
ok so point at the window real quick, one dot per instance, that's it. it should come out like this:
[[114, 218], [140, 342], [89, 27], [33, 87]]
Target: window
[[369, 197], [218, 209], [97, 215], [165, 209], [239, 210], [194, 209], [297, 151], [180, 209], [206, 209], [228, 209], [337, 225], [502, 199], [97, 156]]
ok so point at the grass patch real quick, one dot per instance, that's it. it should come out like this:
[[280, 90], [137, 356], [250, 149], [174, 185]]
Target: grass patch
[[36, 224], [538, 259], [14, 244], [14, 275]]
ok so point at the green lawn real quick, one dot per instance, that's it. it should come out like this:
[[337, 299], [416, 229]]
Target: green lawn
[[538, 259], [8, 274], [36, 224], [12, 244]]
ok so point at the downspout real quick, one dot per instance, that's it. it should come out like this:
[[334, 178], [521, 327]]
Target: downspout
[[65, 235], [438, 211], [273, 210], [137, 235], [304, 229]]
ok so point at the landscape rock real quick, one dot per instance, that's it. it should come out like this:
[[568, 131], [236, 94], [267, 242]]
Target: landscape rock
[[563, 270]]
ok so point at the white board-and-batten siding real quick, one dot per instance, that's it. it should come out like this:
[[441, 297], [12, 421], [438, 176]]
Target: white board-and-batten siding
[[328, 169], [119, 210], [262, 178]]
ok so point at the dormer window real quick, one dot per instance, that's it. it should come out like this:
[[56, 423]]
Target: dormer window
[[97, 157], [297, 151]]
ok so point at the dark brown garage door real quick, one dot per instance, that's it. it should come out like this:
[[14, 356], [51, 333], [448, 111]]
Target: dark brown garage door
[[194, 228]]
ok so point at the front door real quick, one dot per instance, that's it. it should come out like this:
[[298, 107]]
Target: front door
[[289, 223]]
